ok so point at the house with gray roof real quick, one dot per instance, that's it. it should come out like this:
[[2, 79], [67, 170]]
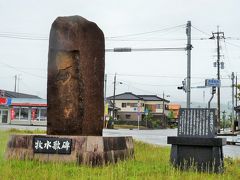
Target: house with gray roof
[[133, 107], [12, 94]]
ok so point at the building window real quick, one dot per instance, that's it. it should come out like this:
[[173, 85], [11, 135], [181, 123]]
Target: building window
[[128, 116], [39, 114], [20, 113], [132, 104], [159, 106], [124, 105]]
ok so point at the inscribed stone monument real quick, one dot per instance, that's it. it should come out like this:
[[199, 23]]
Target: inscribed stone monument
[[75, 102], [75, 77], [196, 145]]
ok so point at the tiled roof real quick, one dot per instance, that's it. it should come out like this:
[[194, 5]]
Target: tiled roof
[[131, 96], [125, 96], [174, 106], [11, 94], [151, 98]]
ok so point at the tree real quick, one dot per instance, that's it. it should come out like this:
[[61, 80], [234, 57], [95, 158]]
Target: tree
[[148, 118], [170, 114], [151, 121]]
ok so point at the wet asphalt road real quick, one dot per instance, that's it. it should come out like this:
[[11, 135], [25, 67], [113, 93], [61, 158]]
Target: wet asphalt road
[[158, 137]]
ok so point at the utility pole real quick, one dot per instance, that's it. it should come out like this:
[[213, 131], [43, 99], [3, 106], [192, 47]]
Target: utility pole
[[18, 83], [224, 118], [219, 35], [232, 78], [114, 91], [189, 48], [236, 93], [15, 83], [213, 92]]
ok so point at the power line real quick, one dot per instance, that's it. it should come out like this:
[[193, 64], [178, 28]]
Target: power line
[[148, 32], [12, 67], [207, 34], [232, 44], [165, 76], [163, 39], [228, 57], [29, 87], [30, 68], [34, 37], [146, 84], [23, 36]]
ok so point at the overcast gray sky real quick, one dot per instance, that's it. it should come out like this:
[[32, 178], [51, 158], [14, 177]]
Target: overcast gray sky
[[25, 27]]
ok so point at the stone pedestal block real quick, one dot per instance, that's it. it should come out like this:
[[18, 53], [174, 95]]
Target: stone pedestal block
[[87, 150], [205, 154], [75, 78]]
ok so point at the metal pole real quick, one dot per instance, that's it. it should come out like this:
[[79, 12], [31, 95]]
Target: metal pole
[[189, 48], [232, 77], [138, 121], [218, 73], [209, 102], [213, 92], [138, 113], [18, 83], [114, 91], [224, 117], [129, 49], [15, 84], [236, 92], [218, 77]]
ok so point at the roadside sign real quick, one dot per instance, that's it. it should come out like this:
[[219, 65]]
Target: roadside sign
[[146, 112], [212, 83], [138, 108], [5, 101]]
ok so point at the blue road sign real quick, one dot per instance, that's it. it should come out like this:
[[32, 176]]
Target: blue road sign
[[212, 83]]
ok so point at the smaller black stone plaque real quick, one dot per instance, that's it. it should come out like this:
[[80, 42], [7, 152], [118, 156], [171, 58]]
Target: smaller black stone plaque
[[51, 145]]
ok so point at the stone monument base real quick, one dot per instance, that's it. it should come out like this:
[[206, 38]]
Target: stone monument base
[[204, 154], [87, 150]]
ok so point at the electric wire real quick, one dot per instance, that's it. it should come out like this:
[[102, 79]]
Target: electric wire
[[207, 34], [17, 69], [227, 56], [147, 32], [232, 44]]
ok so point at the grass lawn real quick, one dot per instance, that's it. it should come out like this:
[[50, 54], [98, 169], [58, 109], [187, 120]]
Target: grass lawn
[[151, 162]]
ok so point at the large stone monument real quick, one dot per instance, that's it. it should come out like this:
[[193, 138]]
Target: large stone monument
[[75, 77], [196, 145], [75, 101]]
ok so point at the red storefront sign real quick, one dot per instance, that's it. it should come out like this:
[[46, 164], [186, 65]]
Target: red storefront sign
[[3, 101]]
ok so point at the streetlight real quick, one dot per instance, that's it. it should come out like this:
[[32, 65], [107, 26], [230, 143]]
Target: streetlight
[[164, 106], [114, 94]]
